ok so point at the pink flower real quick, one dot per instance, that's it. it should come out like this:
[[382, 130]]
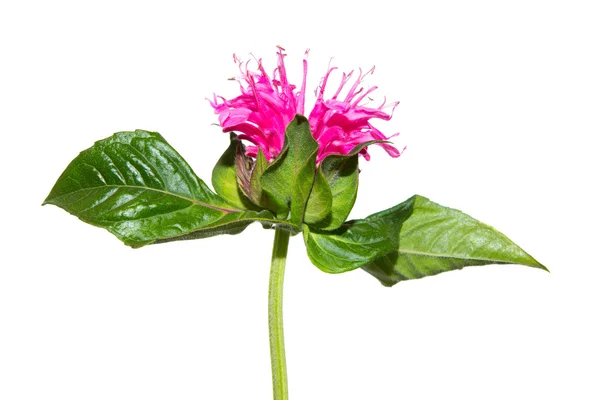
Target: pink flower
[[266, 107], [341, 125]]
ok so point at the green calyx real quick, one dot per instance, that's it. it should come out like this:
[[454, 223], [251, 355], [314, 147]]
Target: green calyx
[[291, 186]]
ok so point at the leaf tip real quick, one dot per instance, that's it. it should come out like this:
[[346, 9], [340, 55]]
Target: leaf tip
[[532, 262], [299, 119], [47, 201], [542, 267]]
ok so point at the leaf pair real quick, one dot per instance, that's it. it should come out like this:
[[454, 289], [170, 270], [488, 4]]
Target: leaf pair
[[140, 189]]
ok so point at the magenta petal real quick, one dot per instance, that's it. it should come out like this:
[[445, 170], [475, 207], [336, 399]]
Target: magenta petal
[[266, 105], [264, 109], [339, 126]]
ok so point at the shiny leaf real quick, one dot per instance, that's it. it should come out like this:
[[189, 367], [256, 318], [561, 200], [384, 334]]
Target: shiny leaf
[[414, 239], [140, 189]]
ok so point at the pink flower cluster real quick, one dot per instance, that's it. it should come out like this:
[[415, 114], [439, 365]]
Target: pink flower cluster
[[266, 107]]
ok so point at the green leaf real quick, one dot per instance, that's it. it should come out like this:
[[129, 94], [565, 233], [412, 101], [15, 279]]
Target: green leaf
[[140, 189], [289, 178], [318, 206], [225, 179], [341, 174], [414, 239]]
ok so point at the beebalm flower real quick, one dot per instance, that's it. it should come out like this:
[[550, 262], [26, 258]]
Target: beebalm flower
[[266, 106]]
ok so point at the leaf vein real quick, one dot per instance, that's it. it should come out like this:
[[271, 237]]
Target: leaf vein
[[197, 202]]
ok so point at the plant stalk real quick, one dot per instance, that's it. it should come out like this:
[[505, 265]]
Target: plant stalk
[[278, 367]]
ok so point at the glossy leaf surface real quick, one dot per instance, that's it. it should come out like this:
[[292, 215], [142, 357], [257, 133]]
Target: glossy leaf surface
[[414, 239], [140, 189]]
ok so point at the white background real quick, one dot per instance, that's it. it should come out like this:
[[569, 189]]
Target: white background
[[499, 108]]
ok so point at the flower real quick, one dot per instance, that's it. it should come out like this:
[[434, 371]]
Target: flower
[[264, 109], [266, 106], [341, 125]]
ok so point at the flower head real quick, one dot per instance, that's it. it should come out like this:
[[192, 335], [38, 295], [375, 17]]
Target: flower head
[[266, 106], [341, 125], [264, 109]]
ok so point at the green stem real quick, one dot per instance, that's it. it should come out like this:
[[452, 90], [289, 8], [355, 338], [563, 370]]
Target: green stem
[[278, 368]]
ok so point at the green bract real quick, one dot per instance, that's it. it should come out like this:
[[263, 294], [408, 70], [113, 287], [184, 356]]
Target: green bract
[[141, 190]]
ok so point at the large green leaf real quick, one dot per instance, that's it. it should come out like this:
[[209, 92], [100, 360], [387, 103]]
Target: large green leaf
[[289, 178], [140, 189], [414, 239]]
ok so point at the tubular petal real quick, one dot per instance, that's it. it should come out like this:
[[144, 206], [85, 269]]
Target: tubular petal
[[267, 105]]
